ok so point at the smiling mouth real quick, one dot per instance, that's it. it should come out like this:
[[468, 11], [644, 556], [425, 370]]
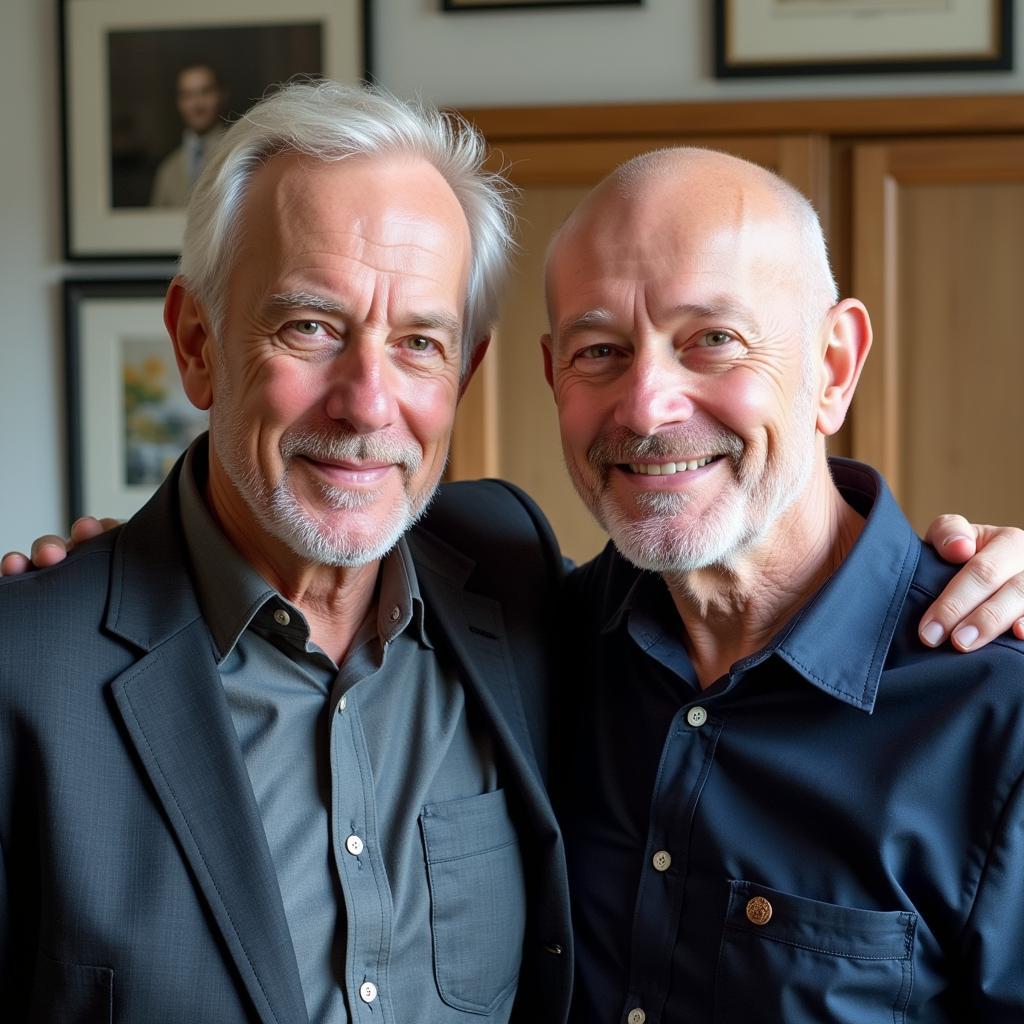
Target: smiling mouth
[[669, 468]]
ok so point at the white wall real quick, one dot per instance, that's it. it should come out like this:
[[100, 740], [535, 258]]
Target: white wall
[[661, 51]]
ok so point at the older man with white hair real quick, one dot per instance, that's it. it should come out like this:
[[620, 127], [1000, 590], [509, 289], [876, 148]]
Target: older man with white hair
[[807, 815], [265, 751]]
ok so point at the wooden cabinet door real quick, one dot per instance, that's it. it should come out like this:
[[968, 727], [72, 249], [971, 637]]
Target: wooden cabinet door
[[507, 425], [938, 258]]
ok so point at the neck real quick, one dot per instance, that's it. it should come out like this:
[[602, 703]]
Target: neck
[[732, 610], [334, 599]]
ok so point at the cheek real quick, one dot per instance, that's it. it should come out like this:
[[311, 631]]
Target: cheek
[[429, 412], [581, 414], [279, 396], [751, 406]]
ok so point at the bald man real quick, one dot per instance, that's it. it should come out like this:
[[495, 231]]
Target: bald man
[[782, 807]]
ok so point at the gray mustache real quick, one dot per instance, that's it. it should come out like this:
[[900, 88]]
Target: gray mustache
[[678, 445], [352, 447]]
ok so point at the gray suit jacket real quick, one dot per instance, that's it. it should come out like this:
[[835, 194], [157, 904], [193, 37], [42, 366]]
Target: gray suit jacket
[[137, 882]]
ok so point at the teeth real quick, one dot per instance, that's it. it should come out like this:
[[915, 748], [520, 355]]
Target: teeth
[[668, 468]]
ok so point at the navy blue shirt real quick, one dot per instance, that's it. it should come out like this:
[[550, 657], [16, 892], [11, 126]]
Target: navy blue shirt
[[833, 831]]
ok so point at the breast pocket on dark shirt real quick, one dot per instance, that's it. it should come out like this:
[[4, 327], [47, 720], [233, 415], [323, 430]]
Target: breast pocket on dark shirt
[[477, 900], [787, 958]]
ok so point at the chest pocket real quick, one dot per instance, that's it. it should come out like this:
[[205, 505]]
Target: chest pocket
[[477, 900], [787, 958], [71, 992]]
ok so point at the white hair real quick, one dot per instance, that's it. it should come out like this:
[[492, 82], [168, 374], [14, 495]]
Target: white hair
[[329, 121]]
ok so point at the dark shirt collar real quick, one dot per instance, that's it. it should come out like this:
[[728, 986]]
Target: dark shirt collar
[[232, 594], [839, 640]]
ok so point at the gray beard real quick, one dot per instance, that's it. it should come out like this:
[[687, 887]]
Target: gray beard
[[653, 541]]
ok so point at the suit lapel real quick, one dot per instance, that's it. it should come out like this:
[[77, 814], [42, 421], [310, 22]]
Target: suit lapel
[[174, 708]]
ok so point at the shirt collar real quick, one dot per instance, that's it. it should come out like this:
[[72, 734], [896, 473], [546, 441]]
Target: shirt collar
[[400, 605], [232, 593], [838, 642]]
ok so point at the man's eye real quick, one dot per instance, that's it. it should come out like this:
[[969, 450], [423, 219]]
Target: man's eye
[[307, 327], [595, 352], [419, 344], [715, 339]]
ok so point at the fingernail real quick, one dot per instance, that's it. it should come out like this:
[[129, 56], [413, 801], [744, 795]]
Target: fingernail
[[933, 634], [965, 636], [956, 537]]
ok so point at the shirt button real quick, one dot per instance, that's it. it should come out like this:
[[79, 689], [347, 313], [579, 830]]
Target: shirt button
[[636, 1016], [554, 949], [343, 703], [759, 911], [696, 717], [395, 614], [354, 845], [367, 991], [281, 617], [662, 860]]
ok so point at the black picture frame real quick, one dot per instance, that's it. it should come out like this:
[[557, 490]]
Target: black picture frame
[[119, 117], [451, 6], [126, 408], [994, 18]]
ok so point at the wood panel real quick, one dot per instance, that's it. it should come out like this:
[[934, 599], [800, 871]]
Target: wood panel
[[908, 115], [938, 256]]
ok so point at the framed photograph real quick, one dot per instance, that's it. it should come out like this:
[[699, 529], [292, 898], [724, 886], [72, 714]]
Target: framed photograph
[[491, 5], [147, 90], [844, 37], [128, 417]]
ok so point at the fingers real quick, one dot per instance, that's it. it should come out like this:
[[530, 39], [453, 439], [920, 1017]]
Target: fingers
[[51, 550], [48, 550], [14, 563], [88, 527], [952, 537], [984, 599]]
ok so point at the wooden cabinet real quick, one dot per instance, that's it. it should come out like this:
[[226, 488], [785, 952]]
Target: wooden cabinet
[[923, 201], [938, 258]]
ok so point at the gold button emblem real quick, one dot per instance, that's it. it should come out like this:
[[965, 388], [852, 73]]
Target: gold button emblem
[[759, 911]]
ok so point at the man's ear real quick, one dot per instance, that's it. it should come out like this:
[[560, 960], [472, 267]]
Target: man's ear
[[846, 347], [193, 342], [474, 361], [545, 347]]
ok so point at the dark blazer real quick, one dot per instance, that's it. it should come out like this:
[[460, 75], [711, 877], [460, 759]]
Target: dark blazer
[[137, 882]]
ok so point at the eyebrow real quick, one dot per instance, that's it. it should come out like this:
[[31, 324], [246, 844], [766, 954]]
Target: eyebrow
[[438, 321], [306, 300], [592, 318], [717, 307], [601, 317]]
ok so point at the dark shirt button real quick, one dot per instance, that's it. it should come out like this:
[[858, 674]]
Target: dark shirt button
[[554, 949]]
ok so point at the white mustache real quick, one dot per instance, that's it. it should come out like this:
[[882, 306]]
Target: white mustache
[[349, 447]]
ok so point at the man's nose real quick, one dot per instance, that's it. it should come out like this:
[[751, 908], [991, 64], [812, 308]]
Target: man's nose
[[361, 393], [655, 395]]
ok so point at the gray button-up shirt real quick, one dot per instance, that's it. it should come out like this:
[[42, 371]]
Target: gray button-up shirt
[[370, 777]]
